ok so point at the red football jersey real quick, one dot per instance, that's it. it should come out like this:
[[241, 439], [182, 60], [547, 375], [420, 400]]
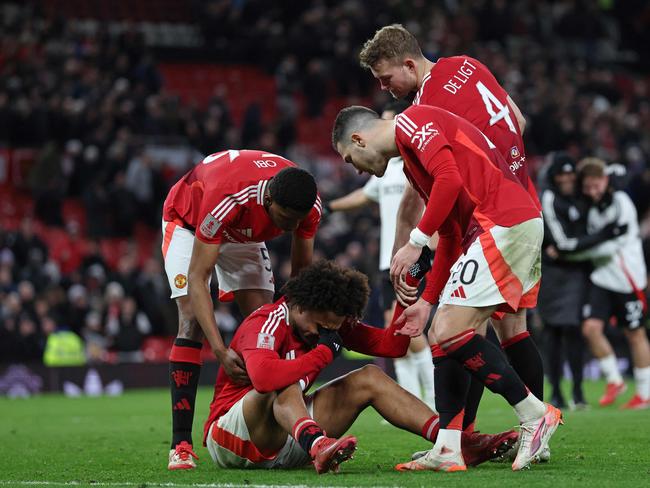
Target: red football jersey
[[464, 180], [221, 199], [465, 87], [277, 357], [424, 133]]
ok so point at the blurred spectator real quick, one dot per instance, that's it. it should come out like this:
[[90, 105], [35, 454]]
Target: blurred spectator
[[26, 246], [96, 341], [78, 308], [142, 182], [128, 330]]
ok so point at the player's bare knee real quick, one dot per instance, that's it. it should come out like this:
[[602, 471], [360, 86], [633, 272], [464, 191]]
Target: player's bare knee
[[591, 328], [368, 378], [287, 395], [635, 336], [262, 401]]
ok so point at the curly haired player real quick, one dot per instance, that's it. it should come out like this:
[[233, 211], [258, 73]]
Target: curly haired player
[[272, 423]]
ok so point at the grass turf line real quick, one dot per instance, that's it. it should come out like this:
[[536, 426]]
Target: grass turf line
[[124, 441]]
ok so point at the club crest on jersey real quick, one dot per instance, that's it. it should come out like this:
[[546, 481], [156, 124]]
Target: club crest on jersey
[[423, 135], [514, 152], [210, 226], [265, 341], [180, 280]]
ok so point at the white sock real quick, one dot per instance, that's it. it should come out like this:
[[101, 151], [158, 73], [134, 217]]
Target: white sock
[[609, 367], [423, 364], [449, 438], [407, 376], [642, 380], [530, 408]]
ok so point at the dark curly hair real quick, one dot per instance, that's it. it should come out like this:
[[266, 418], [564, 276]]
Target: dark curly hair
[[327, 287], [293, 188]]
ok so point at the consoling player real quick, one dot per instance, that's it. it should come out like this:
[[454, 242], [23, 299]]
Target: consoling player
[[465, 87], [272, 423], [413, 371], [618, 284], [461, 176], [217, 217]]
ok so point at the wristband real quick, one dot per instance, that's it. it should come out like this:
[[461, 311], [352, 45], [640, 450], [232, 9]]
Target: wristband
[[418, 238]]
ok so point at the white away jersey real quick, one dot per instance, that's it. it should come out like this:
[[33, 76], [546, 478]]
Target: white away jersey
[[387, 192], [619, 263]]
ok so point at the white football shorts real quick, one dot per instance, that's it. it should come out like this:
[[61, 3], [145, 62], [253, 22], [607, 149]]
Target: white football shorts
[[229, 443], [244, 266], [501, 267]]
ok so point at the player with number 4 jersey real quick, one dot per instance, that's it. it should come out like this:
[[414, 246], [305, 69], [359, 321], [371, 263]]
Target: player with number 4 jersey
[[465, 87], [216, 218], [460, 84]]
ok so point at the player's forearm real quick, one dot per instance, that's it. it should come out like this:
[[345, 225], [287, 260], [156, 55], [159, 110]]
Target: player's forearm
[[442, 198], [408, 216], [199, 293], [269, 373], [376, 342], [353, 200], [447, 252], [604, 250]]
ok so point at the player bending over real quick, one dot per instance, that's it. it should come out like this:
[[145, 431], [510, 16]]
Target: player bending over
[[464, 86], [216, 218], [462, 177], [272, 423]]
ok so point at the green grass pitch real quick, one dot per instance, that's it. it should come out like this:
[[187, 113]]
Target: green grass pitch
[[55, 441]]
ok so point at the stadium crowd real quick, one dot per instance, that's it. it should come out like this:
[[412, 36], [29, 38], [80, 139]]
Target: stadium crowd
[[89, 103]]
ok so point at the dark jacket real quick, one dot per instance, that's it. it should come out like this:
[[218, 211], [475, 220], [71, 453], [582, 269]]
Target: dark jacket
[[564, 284]]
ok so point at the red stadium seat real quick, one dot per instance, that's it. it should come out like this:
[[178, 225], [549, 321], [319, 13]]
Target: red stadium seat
[[156, 349]]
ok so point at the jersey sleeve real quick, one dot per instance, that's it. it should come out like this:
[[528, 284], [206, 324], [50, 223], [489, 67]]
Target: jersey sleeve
[[218, 210], [558, 224], [370, 340], [260, 346], [371, 189], [424, 136], [309, 225], [446, 187], [448, 250], [416, 130]]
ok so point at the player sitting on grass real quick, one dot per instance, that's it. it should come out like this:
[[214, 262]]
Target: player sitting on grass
[[272, 423]]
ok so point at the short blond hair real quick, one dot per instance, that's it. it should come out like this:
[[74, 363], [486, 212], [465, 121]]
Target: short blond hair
[[595, 167], [393, 43]]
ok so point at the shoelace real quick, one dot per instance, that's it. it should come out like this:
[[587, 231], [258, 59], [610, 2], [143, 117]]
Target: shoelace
[[184, 451], [525, 440]]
